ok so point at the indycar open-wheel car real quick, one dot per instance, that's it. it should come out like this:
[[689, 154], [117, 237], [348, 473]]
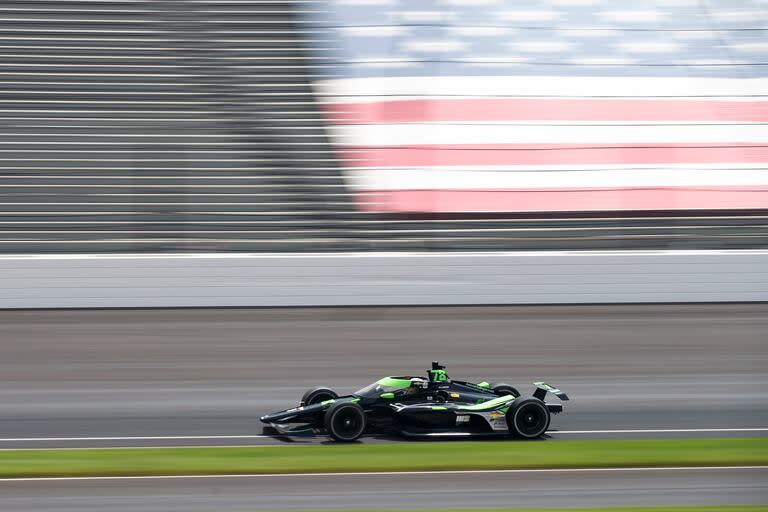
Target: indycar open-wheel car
[[418, 406]]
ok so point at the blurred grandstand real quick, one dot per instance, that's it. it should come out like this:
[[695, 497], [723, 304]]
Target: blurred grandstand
[[203, 125]]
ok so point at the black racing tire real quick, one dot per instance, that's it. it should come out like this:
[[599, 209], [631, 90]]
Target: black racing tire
[[345, 421], [503, 389], [528, 418], [318, 394]]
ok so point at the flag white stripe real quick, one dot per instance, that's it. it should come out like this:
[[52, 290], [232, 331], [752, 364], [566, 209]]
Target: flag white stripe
[[457, 133], [427, 178], [378, 89], [583, 167], [361, 99]]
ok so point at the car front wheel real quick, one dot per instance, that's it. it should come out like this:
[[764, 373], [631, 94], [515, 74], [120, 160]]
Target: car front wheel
[[345, 421]]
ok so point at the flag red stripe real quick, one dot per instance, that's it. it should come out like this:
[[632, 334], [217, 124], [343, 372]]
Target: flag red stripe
[[535, 109], [561, 200], [552, 154]]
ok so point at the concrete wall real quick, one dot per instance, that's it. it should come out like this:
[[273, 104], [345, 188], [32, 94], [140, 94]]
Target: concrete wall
[[381, 279]]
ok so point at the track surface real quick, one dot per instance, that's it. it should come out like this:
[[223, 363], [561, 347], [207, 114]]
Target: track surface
[[566, 488], [139, 373]]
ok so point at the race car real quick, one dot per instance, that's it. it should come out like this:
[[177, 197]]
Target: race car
[[418, 406]]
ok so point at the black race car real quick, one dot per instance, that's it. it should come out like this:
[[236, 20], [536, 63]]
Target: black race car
[[418, 406]]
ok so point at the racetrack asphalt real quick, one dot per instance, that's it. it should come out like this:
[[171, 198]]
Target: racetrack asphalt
[[168, 374], [565, 488]]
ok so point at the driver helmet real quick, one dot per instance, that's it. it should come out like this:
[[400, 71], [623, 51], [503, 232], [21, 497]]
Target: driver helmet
[[418, 383]]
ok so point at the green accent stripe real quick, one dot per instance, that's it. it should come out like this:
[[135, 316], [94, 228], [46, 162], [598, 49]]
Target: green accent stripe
[[490, 404], [395, 383]]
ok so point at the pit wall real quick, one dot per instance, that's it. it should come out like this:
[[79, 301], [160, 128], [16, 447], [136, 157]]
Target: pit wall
[[79, 281]]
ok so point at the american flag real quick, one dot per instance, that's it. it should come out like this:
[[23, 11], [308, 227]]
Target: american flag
[[549, 105]]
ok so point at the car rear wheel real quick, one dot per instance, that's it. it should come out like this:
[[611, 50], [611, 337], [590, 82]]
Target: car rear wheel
[[317, 395], [502, 389], [345, 421], [528, 418]]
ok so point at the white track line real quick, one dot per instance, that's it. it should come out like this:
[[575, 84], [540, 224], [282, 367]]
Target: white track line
[[256, 436], [146, 447], [388, 473], [657, 431], [127, 438]]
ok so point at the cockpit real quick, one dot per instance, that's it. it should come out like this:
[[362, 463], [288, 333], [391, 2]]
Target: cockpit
[[391, 385]]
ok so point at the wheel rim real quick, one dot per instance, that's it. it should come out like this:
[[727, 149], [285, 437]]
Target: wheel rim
[[531, 420], [347, 423]]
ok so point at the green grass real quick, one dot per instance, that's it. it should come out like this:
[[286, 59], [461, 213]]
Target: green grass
[[691, 508], [384, 457], [686, 508]]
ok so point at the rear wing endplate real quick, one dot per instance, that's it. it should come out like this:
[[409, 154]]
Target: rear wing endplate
[[542, 388]]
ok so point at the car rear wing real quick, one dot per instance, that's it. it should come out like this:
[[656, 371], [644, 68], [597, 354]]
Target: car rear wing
[[542, 388]]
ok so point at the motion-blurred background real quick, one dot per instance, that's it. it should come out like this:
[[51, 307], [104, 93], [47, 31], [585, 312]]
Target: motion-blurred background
[[573, 157]]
